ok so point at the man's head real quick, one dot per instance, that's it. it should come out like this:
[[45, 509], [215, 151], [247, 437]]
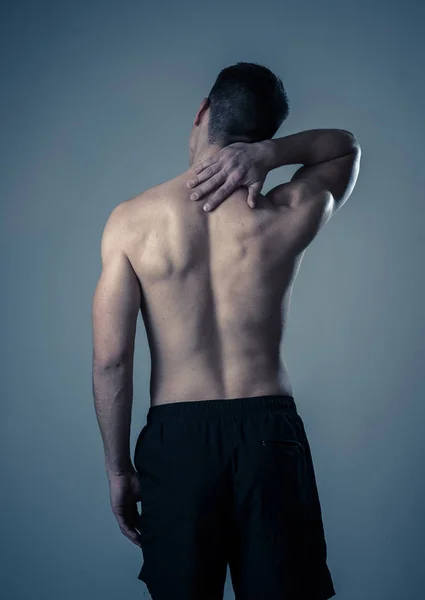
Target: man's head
[[247, 103]]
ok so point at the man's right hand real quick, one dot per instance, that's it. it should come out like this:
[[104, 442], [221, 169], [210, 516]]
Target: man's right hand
[[239, 164]]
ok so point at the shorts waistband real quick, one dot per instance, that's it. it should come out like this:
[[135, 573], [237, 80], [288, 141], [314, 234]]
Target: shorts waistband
[[202, 408]]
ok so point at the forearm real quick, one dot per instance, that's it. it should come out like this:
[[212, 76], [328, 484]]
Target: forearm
[[113, 400], [308, 148]]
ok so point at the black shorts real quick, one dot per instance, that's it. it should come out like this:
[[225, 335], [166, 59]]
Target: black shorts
[[230, 482]]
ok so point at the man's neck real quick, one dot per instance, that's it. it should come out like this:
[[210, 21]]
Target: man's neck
[[206, 153]]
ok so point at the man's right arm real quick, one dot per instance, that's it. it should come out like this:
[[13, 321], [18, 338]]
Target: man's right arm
[[330, 160]]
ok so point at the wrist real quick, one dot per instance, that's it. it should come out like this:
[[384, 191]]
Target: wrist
[[267, 154], [123, 468]]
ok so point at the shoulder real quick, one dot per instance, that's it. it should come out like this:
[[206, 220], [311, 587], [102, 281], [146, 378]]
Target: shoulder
[[126, 212], [118, 222], [122, 213]]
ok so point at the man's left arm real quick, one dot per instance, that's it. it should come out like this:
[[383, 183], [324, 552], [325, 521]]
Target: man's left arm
[[116, 304], [115, 307]]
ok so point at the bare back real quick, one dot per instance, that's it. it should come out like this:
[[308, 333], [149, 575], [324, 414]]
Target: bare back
[[216, 292]]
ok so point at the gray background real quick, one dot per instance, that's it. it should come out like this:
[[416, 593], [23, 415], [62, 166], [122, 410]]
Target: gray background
[[97, 103]]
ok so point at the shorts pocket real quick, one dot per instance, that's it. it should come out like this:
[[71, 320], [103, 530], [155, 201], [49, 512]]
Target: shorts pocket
[[285, 444], [280, 431]]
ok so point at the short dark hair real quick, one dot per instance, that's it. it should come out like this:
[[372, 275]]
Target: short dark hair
[[247, 103]]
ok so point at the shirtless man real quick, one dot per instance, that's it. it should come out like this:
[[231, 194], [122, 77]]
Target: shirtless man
[[223, 466]]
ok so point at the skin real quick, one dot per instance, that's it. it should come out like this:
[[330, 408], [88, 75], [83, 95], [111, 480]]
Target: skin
[[214, 291]]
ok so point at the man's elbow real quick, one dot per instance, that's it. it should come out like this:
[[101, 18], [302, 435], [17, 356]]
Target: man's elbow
[[353, 144], [103, 364]]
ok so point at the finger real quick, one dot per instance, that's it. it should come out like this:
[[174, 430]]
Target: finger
[[203, 164], [208, 186], [133, 536], [254, 191], [206, 174], [231, 184], [251, 198], [129, 532], [219, 196]]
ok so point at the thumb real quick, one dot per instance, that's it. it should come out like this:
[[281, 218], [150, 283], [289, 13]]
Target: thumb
[[253, 192]]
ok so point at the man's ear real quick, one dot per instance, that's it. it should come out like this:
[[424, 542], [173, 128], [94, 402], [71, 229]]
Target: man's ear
[[201, 111]]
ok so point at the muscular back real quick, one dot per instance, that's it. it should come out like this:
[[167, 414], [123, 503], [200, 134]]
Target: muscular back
[[216, 290]]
